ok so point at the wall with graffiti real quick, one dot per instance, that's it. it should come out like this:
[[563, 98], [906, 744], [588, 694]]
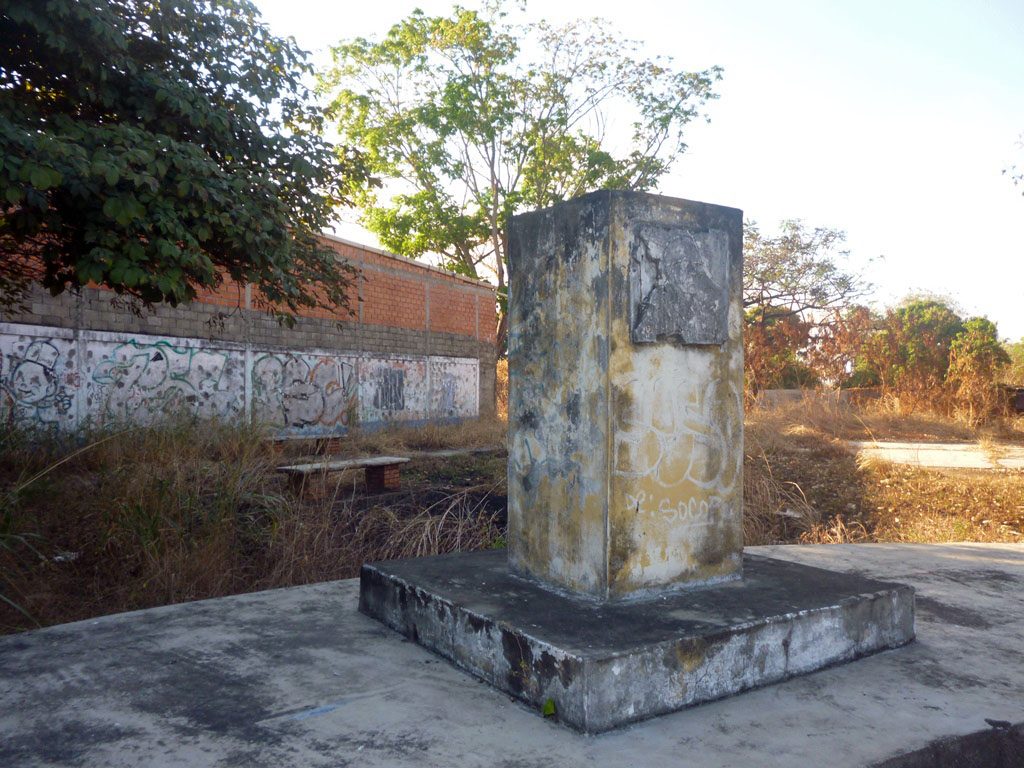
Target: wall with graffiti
[[59, 379]]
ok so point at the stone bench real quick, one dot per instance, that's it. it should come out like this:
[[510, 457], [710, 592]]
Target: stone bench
[[382, 472]]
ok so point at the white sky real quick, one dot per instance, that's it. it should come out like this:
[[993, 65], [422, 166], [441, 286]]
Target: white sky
[[889, 119]]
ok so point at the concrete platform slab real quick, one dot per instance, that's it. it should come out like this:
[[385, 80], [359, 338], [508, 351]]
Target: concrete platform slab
[[297, 677], [601, 665], [943, 455]]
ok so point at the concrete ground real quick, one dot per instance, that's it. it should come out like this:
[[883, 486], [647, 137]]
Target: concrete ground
[[943, 455], [296, 677]]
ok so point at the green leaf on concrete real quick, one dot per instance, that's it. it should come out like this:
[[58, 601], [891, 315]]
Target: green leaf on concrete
[[548, 710]]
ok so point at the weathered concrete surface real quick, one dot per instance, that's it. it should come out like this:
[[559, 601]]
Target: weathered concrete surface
[[299, 677], [604, 665], [625, 394], [944, 455]]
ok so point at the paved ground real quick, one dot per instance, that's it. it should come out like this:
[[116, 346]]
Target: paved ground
[[297, 677], [944, 455]]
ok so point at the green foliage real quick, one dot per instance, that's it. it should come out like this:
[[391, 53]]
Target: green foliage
[[978, 341], [928, 355], [863, 375], [473, 119], [1013, 374], [975, 360], [156, 147], [916, 344]]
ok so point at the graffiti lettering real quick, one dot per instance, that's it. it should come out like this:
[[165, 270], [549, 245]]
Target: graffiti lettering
[[139, 379], [390, 394]]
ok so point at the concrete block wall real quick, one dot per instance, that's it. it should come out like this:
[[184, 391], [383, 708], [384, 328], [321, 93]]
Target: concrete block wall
[[415, 344]]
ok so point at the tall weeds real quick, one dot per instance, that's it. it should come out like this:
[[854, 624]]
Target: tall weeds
[[182, 511]]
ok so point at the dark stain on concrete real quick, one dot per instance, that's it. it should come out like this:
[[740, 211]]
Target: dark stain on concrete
[[519, 655], [572, 409], [992, 748], [549, 667], [932, 673], [68, 744], [210, 693], [932, 610]]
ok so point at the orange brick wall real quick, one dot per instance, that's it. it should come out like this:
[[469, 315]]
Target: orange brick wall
[[396, 293]]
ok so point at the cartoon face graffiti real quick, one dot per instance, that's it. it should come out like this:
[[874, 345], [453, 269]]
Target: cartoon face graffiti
[[34, 385], [33, 378]]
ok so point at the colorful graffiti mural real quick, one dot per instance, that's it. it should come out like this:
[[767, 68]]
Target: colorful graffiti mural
[[142, 381], [57, 379]]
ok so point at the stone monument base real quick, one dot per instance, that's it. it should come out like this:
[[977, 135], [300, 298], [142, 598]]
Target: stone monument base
[[603, 665]]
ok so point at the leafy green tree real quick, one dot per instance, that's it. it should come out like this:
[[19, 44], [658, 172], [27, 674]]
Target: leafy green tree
[[976, 358], [472, 119], [156, 147], [911, 352]]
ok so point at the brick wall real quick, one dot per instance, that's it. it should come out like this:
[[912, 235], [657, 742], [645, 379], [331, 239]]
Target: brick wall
[[426, 326]]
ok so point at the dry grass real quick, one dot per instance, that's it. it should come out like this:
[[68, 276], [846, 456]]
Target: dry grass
[[188, 511], [501, 389], [802, 483], [885, 418]]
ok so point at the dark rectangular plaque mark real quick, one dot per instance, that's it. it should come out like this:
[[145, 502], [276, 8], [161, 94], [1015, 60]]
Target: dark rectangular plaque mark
[[678, 285]]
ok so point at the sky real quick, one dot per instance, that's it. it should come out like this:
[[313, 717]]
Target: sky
[[892, 121]]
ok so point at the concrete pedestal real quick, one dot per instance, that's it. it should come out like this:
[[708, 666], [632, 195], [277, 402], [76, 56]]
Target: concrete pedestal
[[625, 592], [625, 407], [606, 664]]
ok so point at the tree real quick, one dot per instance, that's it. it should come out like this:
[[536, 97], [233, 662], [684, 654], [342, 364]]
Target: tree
[[157, 147], [910, 354], [1013, 374], [795, 294], [976, 359], [796, 272], [839, 342], [772, 344], [474, 119]]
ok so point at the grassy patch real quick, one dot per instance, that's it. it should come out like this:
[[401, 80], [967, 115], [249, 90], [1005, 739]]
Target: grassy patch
[[147, 517]]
